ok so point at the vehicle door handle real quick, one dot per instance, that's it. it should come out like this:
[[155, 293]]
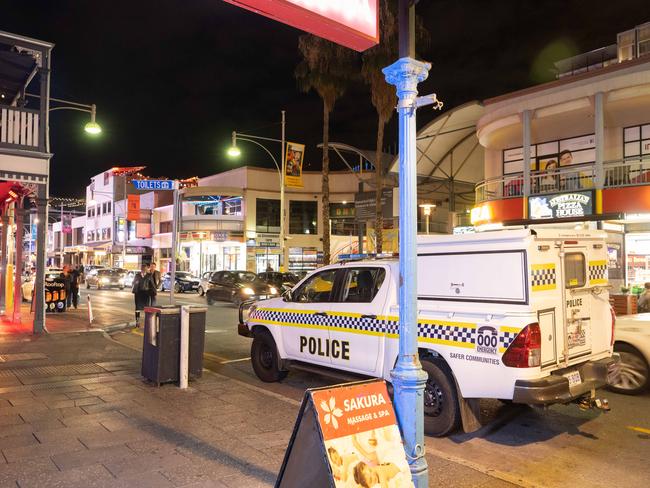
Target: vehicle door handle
[[371, 316], [321, 314]]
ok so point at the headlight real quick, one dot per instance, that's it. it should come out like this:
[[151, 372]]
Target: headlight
[[248, 291], [273, 290], [104, 280]]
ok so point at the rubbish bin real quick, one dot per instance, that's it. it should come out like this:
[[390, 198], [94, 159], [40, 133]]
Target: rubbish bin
[[162, 343]]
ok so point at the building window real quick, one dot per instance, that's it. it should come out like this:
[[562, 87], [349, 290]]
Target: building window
[[267, 215], [303, 217], [636, 141], [108, 207], [232, 206], [165, 227], [574, 264], [230, 257]]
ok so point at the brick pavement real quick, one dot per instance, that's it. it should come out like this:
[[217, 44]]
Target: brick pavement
[[75, 412]]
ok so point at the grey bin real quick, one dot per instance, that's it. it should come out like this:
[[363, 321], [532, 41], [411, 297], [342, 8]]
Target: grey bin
[[162, 341]]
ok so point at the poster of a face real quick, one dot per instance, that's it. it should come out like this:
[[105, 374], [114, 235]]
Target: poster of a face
[[369, 459], [293, 164]]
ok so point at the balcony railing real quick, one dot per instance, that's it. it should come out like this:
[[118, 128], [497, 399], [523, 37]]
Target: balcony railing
[[19, 128], [620, 172]]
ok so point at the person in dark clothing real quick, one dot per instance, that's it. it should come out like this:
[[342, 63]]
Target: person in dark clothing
[[67, 280], [140, 290], [74, 286], [154, 276]]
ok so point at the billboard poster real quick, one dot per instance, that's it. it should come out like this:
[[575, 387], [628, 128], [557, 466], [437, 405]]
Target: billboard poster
[[561, 206], [359, 442], [133, 207], [293, 165], [67, 223]]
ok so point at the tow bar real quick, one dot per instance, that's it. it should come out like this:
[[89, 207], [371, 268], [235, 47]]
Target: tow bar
[[590, 401]]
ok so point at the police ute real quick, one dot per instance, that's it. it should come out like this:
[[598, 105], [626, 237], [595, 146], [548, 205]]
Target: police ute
[[520, 315]]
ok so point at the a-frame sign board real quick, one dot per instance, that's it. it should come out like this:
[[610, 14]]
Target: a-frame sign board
[[345, 433]]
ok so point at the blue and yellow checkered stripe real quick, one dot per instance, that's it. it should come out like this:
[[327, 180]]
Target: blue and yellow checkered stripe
[[459, 334], [543, 277], [598, 272]]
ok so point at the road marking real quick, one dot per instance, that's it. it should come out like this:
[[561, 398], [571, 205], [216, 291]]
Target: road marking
[[639, 429], [137, 332], [235, 360]]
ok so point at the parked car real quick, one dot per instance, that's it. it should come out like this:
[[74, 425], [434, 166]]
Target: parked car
[[238, 287], [281, 281], [105, 278], [205, 282], [632, 343], [184, 282], [27, 287]]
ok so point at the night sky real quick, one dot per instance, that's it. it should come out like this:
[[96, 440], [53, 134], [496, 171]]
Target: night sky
[[172, 79]]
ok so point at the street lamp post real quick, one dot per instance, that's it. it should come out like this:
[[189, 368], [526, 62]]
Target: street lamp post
[[408, 377], [91, 127], [234, 152]]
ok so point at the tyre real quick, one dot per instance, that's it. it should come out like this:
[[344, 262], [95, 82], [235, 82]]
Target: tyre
[[177, 288], [441, 408], [236, 301], [87, 286], [121, 288], [633, 371], [210, 300], [200, 291], [264, 356]]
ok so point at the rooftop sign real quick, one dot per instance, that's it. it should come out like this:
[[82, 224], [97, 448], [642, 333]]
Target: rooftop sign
[[351, 23]]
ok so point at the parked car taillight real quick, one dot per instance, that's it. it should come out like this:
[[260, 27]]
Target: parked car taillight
[[611, 310], [526, 350]]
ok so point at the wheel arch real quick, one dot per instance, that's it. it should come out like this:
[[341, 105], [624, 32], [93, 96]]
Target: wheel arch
[[263, 328]]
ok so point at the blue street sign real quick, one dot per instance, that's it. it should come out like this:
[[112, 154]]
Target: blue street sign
[[153, 184]]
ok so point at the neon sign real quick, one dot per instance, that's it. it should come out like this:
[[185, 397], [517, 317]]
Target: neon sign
[[351, 23]]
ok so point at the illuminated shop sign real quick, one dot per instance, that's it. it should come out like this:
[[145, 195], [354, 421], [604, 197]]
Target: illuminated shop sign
[[561, 206], [351, 23]]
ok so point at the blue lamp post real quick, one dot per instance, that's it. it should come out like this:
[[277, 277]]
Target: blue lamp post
[[408, 377]]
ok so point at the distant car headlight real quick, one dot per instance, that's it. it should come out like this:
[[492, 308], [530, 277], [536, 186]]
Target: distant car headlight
[[273, 290], [104, 280], [248, 291]]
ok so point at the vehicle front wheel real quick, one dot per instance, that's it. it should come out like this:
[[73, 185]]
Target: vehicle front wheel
[[200, 291], [633, 371], [264, 356], [177, 288], [441, 408]]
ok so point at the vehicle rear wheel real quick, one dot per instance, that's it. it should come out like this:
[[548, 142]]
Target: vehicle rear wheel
[[264, 356], [633, 371], [210, 300], [200, 291], [441, 408], [177, 288]]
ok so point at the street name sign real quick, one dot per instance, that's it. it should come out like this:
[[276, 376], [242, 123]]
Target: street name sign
[[351, 23], [153, 184]]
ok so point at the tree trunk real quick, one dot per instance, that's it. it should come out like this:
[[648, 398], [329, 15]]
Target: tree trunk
[[379, 181], [326, 183]]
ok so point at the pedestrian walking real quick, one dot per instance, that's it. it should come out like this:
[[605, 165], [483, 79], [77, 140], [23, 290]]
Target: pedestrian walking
[[67, 285], [154, 284], [75, 281], [140, 290]]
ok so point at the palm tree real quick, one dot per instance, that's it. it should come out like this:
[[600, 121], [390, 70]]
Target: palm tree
[[325, 68], [384, 99]]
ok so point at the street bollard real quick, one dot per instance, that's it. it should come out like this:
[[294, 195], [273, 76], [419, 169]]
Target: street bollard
[[90, 311], [185, 347]]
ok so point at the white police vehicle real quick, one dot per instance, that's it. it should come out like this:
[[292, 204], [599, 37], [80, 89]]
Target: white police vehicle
[[521, 315]]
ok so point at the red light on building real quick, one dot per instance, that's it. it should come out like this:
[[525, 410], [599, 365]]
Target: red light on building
[[351, 23]]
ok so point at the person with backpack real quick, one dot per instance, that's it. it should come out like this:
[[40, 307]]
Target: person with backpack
[[140, 290]]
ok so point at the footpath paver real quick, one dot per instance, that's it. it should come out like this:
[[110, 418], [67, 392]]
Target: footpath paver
[[79, 415]]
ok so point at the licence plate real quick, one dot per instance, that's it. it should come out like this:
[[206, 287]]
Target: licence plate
[[574, 378]]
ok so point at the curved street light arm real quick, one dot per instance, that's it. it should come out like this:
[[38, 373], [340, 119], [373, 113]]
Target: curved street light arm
[[238, 137]]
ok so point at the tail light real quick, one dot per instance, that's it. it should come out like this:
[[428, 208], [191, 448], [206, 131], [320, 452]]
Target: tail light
[[611, 309], [526, 350]]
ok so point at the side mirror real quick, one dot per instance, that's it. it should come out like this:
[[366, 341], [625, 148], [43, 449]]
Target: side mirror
[[286, 296]]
